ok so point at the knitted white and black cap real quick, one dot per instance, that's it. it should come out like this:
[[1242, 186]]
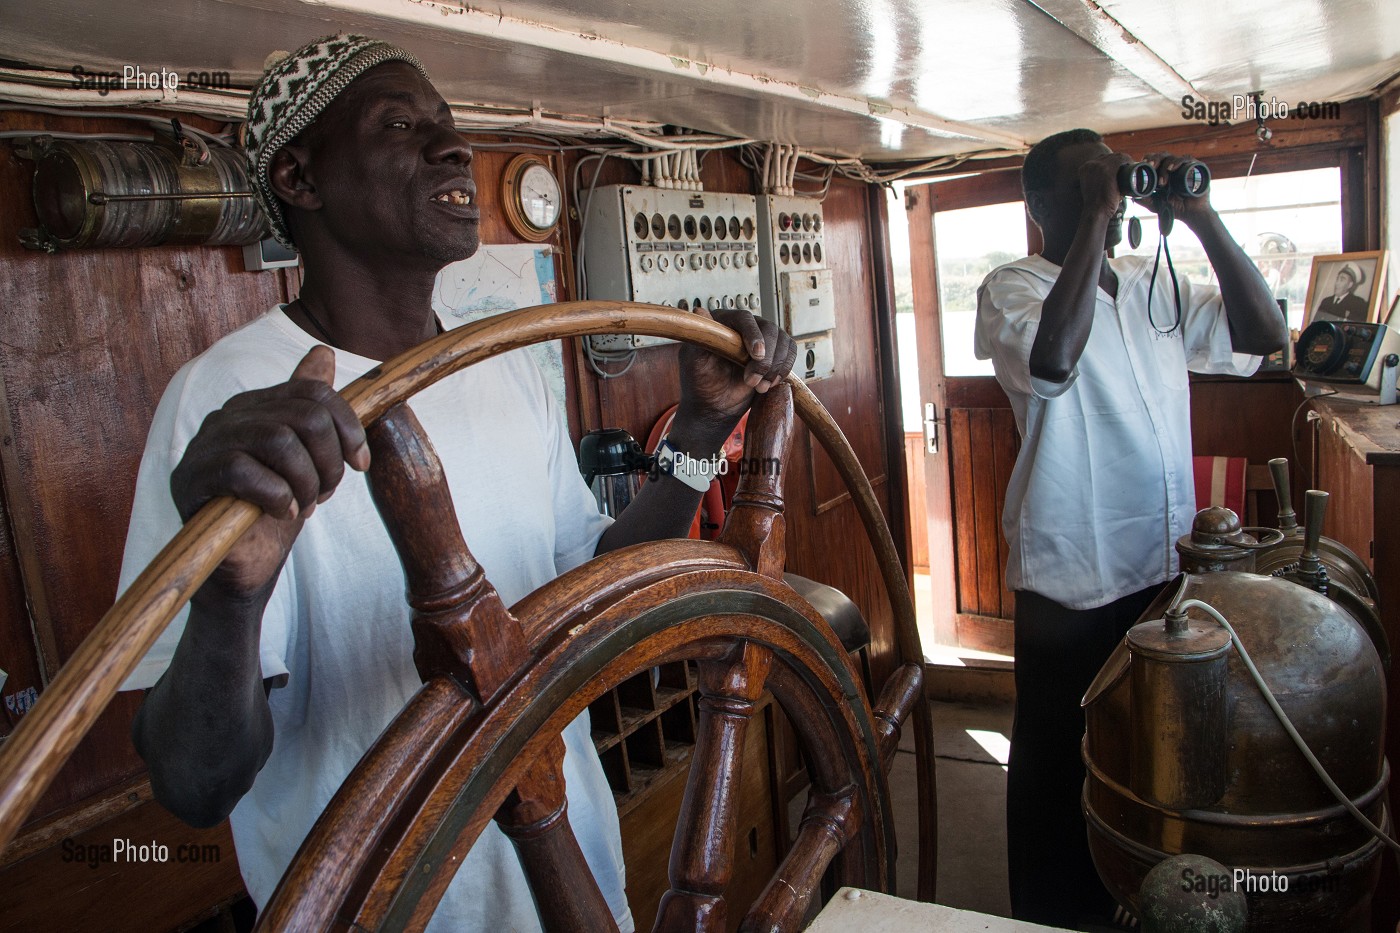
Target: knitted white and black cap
[[295, 89]]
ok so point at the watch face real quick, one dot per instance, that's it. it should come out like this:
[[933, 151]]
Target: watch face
[[540, 199]]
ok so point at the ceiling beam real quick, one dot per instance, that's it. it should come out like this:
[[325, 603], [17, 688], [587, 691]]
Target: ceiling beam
[[1089, 21]]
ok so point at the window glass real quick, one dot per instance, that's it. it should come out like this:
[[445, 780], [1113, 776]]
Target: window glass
[[1281, 220], [971, 242]]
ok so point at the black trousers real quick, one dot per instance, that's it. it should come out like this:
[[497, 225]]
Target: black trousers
[[1058, 653]]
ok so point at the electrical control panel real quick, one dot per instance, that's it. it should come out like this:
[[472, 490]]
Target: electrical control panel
[[684, 249], [797, 292]]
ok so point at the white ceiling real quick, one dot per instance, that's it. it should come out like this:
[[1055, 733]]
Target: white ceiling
[[878, 79]]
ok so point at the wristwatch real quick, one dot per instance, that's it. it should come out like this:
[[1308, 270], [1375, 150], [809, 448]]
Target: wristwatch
[[693, 471]]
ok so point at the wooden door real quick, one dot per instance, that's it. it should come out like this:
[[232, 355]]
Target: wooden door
[[970, 438]]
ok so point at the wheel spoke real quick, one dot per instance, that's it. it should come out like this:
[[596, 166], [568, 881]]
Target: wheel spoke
[[830, 765], [460, 625], [755, 522], [702, 851], [828, 823], [536, 818], [903, 689]]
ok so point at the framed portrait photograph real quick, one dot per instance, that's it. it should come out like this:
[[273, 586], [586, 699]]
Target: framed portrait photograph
[[1346, 287]]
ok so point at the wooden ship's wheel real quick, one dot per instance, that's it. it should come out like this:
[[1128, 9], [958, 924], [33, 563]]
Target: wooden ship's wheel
[[481, 739]]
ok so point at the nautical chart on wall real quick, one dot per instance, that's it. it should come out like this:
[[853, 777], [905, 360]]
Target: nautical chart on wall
[[503, 277]]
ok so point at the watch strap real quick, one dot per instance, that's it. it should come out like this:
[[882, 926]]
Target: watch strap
[[695, 472]]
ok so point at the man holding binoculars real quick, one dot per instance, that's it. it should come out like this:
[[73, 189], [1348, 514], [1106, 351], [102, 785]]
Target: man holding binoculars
[[1093, 353]]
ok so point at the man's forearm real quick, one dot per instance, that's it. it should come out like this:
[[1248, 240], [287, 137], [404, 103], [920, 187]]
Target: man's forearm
[[1067, 314], [665, 506], [1256, 325], [205, 729]]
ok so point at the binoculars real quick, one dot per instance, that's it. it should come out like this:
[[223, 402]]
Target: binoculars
[[1191, 179]]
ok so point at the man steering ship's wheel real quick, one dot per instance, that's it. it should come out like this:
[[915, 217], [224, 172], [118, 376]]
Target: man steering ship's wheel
[[481, 739]]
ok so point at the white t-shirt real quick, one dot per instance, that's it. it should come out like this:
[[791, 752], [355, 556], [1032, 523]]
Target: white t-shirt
[[338, 623], [1103, 485]]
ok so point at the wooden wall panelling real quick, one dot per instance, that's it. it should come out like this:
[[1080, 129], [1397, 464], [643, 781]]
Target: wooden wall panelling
[[964, 510], [1007, 441], [1354, 219], [983, 443], [1346, 475], [1361, 186], [1374, 184], [582, 417], [977, 191], [89, 340], [853, 393], [18, 656], [853, 396], [984, 496], [83, 883], [976, 392], [986, 633]]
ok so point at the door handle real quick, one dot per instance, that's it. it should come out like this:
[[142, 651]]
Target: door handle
[[930, 428]]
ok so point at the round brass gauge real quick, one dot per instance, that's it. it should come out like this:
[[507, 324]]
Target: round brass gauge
[[532, 197]]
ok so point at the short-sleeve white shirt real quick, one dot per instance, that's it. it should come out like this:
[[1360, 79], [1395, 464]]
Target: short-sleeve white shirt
[[1102, 487], [338, 625]]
